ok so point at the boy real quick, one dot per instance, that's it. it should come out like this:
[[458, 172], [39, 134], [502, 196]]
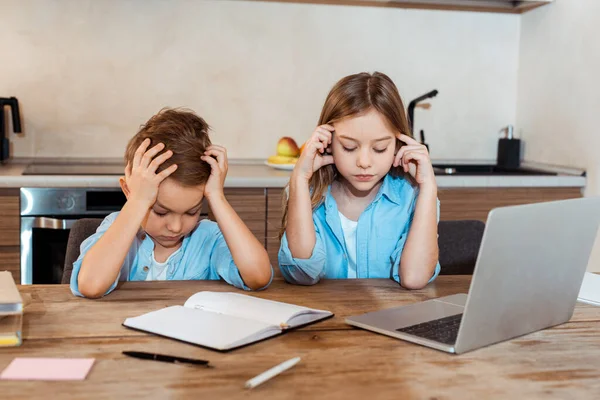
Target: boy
[[157, 235]]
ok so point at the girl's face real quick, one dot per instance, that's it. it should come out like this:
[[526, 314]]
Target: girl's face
[[363, 149]]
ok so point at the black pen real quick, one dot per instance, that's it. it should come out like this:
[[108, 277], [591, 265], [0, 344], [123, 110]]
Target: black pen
[[164, 358]]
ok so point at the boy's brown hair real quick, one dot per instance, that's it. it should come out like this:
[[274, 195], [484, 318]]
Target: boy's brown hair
[[186, 135]]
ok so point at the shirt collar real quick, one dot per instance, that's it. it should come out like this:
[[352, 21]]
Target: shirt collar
[[147, 246], [392, 189]]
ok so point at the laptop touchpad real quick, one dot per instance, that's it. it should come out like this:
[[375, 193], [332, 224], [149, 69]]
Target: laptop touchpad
[[412, 314]]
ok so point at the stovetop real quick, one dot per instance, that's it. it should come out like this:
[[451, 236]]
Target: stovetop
[[74, 169]]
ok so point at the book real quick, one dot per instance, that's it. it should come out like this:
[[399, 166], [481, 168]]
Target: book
[[225, 320], [590, 289], [11, 311]]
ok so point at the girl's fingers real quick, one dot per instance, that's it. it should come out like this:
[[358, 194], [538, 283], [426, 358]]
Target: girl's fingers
[[397, 159], [326, 160], [324, 139], [323, 132], [407, 139], [405, 149], [320, 147], [413, 155]]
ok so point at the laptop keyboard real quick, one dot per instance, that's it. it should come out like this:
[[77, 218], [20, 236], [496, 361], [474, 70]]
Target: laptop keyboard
[[443, 330]]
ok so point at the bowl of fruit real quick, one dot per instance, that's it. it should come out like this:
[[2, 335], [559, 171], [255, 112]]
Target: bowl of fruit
[[287, 155]]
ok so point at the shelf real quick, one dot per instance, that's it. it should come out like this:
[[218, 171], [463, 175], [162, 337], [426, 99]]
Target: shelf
[[499, 6]]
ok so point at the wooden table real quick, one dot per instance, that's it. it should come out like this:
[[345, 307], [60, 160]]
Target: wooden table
[[338, 361]]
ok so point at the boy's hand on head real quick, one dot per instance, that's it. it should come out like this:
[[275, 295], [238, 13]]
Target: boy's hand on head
[[414, 159], [140, 174], [216, 156], [314, 155]]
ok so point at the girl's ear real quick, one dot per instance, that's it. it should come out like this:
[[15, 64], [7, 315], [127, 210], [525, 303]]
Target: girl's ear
[[124, 186]]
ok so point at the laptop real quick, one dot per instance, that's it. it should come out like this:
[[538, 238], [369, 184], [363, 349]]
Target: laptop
[[527, 276]]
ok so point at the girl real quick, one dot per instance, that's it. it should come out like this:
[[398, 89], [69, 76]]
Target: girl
[[362, 197]]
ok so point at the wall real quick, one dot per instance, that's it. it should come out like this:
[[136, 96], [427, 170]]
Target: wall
[[88, 73], [558, 99]]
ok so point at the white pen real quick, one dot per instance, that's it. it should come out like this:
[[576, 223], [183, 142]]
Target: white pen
[[276, 370]]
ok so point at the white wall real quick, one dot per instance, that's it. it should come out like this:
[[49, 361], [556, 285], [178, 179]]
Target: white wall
[[559, 90], [559, 86], [88, 73]]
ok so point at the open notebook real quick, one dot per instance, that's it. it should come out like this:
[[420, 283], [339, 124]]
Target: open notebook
[[224, 321]]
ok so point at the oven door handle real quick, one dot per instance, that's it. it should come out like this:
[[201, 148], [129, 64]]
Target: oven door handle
[[53, 223]]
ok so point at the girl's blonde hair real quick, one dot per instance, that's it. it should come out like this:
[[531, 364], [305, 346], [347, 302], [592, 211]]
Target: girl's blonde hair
[[351, 96]]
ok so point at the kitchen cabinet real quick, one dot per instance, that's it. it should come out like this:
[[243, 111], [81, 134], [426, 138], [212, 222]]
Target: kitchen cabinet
[[261, 210], [9, 232], [274, 214], [250, 205], [499, 6], [476, 203]]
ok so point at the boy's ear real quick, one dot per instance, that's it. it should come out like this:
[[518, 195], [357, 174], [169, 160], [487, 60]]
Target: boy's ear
[[124, 186]]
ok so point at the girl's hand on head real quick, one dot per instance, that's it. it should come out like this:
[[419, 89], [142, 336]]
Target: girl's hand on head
[[314, 155], [140, 174], [414, 159], [218, 172]]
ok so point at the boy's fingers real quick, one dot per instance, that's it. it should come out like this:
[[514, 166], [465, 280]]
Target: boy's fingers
[[217, 147], [166, 172], [159, 160], [213, 163], [127, 171], [149, 155], [137, 156], [220, 155]]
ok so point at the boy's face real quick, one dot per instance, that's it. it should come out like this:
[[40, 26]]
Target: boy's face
[[175, 213]]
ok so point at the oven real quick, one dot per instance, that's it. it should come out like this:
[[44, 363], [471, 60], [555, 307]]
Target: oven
[[47, 214]]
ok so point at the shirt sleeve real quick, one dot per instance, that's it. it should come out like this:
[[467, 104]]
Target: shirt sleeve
[[303, 271], [221, 261], [88, 244], [397, 254]]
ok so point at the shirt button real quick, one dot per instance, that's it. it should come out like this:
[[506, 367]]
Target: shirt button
[[146, 269]]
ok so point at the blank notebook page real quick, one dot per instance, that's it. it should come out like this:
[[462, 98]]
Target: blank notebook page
[[195, 326], [271, 312]]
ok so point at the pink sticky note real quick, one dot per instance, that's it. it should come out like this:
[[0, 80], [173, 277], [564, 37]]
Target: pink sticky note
[[48, 369]]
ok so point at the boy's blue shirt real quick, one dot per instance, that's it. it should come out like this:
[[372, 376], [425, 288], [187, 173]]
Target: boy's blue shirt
[[380, 237], [204, 255]]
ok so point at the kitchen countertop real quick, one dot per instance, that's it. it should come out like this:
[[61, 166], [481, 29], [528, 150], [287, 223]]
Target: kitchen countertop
[[253, 173]]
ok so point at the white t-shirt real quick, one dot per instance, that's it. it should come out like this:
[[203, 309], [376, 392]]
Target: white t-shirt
[[158, 271], [349, 229]]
